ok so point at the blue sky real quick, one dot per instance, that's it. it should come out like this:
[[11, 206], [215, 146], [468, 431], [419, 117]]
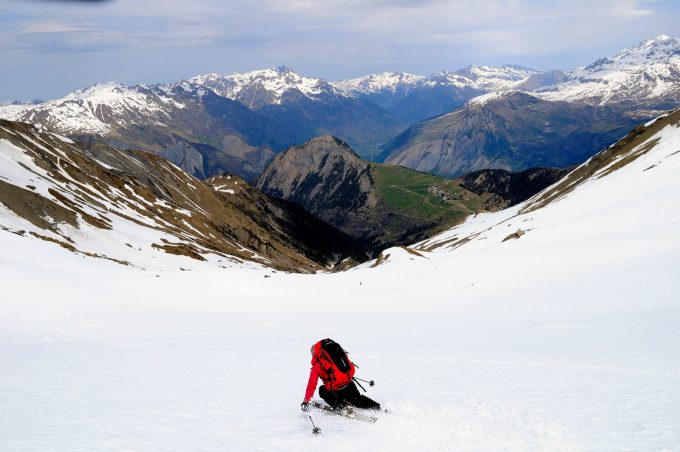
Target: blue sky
[[50, 47]]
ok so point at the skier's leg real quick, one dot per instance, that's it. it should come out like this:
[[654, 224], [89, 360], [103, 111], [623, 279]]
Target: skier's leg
[[364, 402], [354, 397], [332, 398]]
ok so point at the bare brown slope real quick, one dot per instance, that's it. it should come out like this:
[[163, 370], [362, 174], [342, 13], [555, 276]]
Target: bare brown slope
[[96, 184]]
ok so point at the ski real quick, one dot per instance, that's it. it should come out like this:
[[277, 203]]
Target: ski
[[346, 412]]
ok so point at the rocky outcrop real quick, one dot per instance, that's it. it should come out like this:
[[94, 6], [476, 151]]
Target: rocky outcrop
[[329, 180], [383, 205], [510, 188]]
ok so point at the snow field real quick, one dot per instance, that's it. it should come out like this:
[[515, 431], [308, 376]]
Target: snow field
[[109, 358]]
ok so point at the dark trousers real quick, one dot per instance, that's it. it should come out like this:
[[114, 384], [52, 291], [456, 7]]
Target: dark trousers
[[349, 395]]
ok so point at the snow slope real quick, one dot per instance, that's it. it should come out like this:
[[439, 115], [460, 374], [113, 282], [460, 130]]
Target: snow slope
[[111, 222], [565, 338]]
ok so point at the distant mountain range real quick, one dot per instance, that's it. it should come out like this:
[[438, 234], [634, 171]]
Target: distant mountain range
[[206, 133], [236, 123], [447, 123], [415, 98], [560, 125]]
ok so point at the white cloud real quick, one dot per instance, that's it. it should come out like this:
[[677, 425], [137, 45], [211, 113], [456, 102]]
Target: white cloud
[[51, 27]]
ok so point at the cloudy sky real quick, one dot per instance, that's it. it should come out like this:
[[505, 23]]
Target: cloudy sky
[[51, 47]]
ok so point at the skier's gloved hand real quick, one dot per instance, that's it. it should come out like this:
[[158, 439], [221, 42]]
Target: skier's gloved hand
[[304, 406]]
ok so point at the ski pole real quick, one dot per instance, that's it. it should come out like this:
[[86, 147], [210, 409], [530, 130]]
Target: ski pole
[[370, 383], [315, 430]]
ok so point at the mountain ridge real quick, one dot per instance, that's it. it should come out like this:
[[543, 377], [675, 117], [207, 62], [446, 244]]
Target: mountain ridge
[[561, 125], [207, 133], [136, 208]]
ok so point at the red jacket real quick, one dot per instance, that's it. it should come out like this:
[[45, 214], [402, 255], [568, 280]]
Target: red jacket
[[313, 378], [318, 372], [338, 381]]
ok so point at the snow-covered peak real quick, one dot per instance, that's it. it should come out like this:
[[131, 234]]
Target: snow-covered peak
[[14, 112], [477, 78], [483, 78], [101, 93], [265, 86], [647, 71], [659, 49], [95, 108], [377, 83], [511, 73], [492, 96]]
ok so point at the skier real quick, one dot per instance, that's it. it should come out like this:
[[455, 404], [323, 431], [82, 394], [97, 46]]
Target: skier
[[331, 363]]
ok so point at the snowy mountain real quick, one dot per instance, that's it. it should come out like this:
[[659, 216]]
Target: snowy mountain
[[136, 209], [415, 97], [229, 124], [444, 91], [384, 89], [553, 325], [205, 134], [521, 125], [483, 78], [237, 123], [96, 108], [256, 89], [378, 83], [647, 74], [307, 107]]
